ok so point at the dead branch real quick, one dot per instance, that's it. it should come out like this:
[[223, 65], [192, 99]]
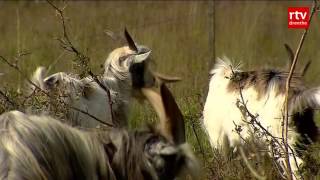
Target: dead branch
[[286, 103], [90, 115], [68, 45], [16, 68], [7, 99], [275, 143]]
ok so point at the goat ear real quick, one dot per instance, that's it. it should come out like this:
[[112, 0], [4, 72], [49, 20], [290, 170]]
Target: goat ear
[[165, 78], [39, 76], [141, 57], [52, 81], [130, 41], [290, 55]]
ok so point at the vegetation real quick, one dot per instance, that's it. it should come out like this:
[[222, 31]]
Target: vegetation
[[252, 32]]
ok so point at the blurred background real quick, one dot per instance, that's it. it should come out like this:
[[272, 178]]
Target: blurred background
[[185, 38]]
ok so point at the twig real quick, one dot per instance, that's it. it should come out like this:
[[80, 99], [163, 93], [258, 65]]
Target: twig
[[14, 66], [93, 117], [95, 78], [253, 117], [68, 45], [276, 164], [7, 99], [55, 61], [256, 124], [286, 103]]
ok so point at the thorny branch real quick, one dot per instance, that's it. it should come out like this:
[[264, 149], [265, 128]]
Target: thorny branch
[[68, 45], [95, 118], [7, 99], [15, 66], [286, 103], [275, 142]]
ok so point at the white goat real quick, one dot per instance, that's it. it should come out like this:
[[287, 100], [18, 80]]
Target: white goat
[[40, 147], [263, 92], [123, 68]]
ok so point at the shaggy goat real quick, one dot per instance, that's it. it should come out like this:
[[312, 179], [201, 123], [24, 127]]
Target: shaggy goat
[[88, 96], [264, 93], [40, 147]]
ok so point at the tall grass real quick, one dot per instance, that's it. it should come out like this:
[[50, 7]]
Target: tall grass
[[252, 32]]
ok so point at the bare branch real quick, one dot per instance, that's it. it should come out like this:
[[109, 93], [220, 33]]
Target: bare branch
[[7, 99], [277, 148], [90, 115], [286, 102], [14, 66], [66, 44]]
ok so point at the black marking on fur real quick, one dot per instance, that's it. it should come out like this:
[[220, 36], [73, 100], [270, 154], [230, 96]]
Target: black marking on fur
[[137, 71], [306, 127]]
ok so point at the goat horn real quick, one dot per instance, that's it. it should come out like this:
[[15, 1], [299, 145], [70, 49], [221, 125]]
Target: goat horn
[[305, 69], [130, 41], [290, 54]]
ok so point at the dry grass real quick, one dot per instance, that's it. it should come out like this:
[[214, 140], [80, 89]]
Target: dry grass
[[177, 32]]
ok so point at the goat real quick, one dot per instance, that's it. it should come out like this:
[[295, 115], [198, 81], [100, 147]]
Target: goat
[[88, 96], [264, 93], [40, 147]]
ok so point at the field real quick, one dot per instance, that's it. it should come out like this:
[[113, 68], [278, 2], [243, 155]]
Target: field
[[185, 38]]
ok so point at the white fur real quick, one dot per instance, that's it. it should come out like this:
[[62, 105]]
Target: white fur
[[221, 112], [116, 78], [97, 104]]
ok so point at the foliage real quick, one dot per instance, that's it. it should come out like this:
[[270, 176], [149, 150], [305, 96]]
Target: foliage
[[252, 32]]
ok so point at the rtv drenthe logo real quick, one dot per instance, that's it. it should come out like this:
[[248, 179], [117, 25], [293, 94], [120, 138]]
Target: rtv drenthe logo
[[298, 17]]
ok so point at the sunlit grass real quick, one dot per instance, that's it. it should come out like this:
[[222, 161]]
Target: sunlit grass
[[177, 32]]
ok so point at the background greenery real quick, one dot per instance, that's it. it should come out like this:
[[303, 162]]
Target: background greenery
[[178, 32]]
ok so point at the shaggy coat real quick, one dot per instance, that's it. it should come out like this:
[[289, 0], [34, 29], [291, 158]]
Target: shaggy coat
[[87, 96], [39, 147], [263, 92]]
